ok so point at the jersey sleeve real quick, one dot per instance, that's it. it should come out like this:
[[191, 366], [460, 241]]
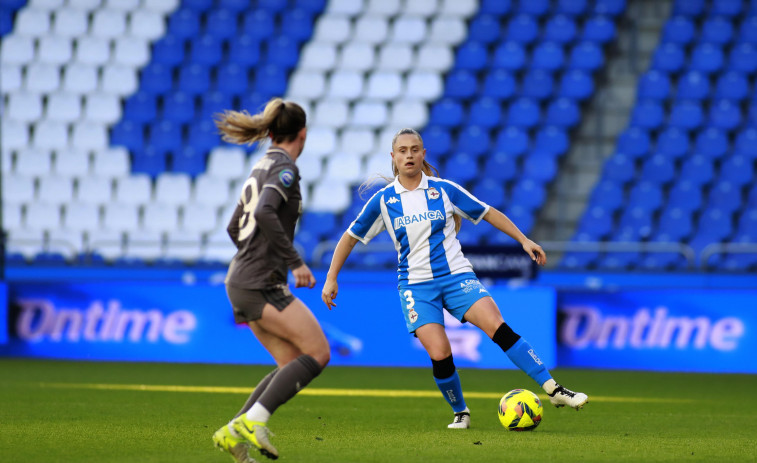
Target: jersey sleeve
[[465, 204], [282, 177], [369, 222]]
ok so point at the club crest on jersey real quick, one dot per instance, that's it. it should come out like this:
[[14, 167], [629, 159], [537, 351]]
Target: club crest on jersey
[[433, 193], [287, 177], [403, 221], [412, 315], [392, 200]]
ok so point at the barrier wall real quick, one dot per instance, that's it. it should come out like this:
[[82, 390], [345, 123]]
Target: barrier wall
[[175, 322]]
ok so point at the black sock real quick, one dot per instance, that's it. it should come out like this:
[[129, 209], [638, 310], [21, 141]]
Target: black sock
[[289, 380], [505, 337], [257, 392], [444, 368]]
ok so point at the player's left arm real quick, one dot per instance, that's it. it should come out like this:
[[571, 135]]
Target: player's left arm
[[503, 223]]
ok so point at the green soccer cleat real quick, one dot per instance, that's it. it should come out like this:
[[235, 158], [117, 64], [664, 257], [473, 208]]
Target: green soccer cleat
[[238, 448], [256, 434]]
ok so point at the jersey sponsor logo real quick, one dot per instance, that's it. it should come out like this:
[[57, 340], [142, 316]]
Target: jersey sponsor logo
[[263, 164], [433, 193], [470, 285], [400, 222], [392, 200], [287, 177]]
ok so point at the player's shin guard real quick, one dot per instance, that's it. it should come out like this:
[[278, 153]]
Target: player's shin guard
[[289, 380], [448, 382], [521, 354]]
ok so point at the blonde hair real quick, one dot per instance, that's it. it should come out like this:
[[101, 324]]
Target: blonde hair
[[428, 169], [280, 119]]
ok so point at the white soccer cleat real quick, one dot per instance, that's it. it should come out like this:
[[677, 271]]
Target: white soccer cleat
[[562, 396], [461, 421]]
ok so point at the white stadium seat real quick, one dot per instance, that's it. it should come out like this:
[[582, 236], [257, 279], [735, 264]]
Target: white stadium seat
[[68, 243], [218, 247], [120, 216], [211, 191], [357, 56], [81, 216], [18, 189], [448, 30], [42, 216], [42, 77], [347, 8], [198, 217], [379, 164], [173, 188], [310, 168], [371, 114], [24, 241], [102, 107], [32, 22], [131, 51], [24, 106], [343, 168], [384, 86], [371, 29], [70, 162], [119, 80], [133, 189], [345, 84], [321, 141], [147, 24], [330, 197], [84, 5], [92, 50], [332, 29], [94, 190], [11, 77], [89, 135], [54, 49], [161, 6], [424, 85], [396, 57], [434, 57], [108, 23], [107, 243], [424, 8], [16, 49], [32, 162], [112, 162], [408, 29], [357, 141], [160, 217], [122, 5], [331, 113], [14, 134], [45, 5], [50, 135], [70, 22], [11, 216], [55, 190], [383, 7], [306, 84], [63, 107], [409, 113], [183, 246], [460, 8], [79, 78], [226, 162], [318, 56]]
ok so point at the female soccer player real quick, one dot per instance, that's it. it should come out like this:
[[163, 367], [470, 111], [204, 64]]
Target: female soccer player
[[420, 212], [262, 228]]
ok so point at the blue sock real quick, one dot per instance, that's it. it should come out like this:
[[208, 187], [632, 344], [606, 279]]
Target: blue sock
[[452, 391], [524, 357]]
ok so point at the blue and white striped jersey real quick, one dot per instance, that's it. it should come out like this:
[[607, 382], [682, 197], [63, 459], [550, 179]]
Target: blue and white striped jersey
[[421, 225]]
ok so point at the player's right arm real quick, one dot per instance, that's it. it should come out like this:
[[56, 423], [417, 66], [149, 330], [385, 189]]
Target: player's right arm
[[341, 252]]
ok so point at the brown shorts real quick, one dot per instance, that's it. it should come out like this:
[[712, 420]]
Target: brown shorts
[[248, 303]]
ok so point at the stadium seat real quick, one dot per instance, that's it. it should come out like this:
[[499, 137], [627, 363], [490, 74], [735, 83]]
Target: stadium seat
[[680, 30], [647, 114], [743, 57], [597, 223], [510, 56], [693, 85], [537, 84], [619, 168], [646, 194], [686, 115], [685, 195], [484, 28], [576, 84], [540, 166], [737, 170], [716, 30], [560, 28], [485, 112], [471, 56], [548, 56], [586, 56], [501, 166], [725, 114], [669, 57], [732, 86], [673, 143], [607, 195], [654, 85], [523, 113], [563, 112], [634, 142], [697, 169], [712, 143], [706, 58]]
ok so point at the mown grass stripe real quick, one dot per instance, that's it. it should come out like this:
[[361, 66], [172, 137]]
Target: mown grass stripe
[[333, 392]]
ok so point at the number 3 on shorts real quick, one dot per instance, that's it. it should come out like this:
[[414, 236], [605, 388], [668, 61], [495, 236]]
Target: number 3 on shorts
[[409, 298]]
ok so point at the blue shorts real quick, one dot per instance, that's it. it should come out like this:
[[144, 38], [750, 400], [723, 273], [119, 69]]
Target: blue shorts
[[423, 303]]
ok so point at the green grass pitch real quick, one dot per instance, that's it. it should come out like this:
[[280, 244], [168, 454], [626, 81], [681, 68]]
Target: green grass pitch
[[135, 412]]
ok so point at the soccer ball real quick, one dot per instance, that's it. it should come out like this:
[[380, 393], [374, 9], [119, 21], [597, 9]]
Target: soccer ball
[[520, 410]]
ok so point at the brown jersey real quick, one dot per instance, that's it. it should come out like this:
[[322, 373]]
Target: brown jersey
[[263, 223]]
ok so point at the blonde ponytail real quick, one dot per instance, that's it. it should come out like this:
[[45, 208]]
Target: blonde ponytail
[[280, 119]]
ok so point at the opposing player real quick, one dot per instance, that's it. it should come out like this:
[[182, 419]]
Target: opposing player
[[262, 228], [422, 214]]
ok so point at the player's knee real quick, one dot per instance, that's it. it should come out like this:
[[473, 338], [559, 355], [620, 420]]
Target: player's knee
[[321, 353], [443, 368], [505, 337]]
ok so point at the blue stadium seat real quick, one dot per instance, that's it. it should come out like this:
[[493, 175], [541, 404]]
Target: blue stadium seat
[[563, 112], [524, 112], [484, 28], [221, 23], [501, 166], [319, 224], [151, 161], [654, 84], [311, 6], [679, 30], [668, 57], [528, 193], [254, 101], [273, 5], [206, 50], [707, 58], [597, 223], [198, 5], [717, 30], [634, 142], [686, 115], [271, 80], [747, 221], [156, 78], [178, 106], [234, 5], [712, 143], [140, 107], [609, 7], [129, 134], [499, 83], [540, 166], [534, 7], [490, 191], [522, 28], [168, 51], [752, 115], [724, 114], [246, 50], [737, 170], [659, 169], [673, 143], [726, 7], [447, 112], [552, 140], [513, 140], [599, 29], [586, 56], [713, 225], [299, 23], [190, 159], [461, 84], [647, 114], [676, 223], [743, 58], [165, 136], [485, 112], [560, 29], [474, 140], [725, 196], [685, 195], [662, 260], [746, 143], [732, 85], [635, 222], [258, 23], [748, 30], [619, 168], [697, 169], [519, 215], [608, 195], [461, 167], [571, 7], [194, 78], [231, 79], [283, 51], [693, 85], [495, 7], [471, 56], [184, 24], [509, 55], [436, 140], [576, 84], [214, 102], [646, 194], [537, 84], [689, 7], [548, 56]]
